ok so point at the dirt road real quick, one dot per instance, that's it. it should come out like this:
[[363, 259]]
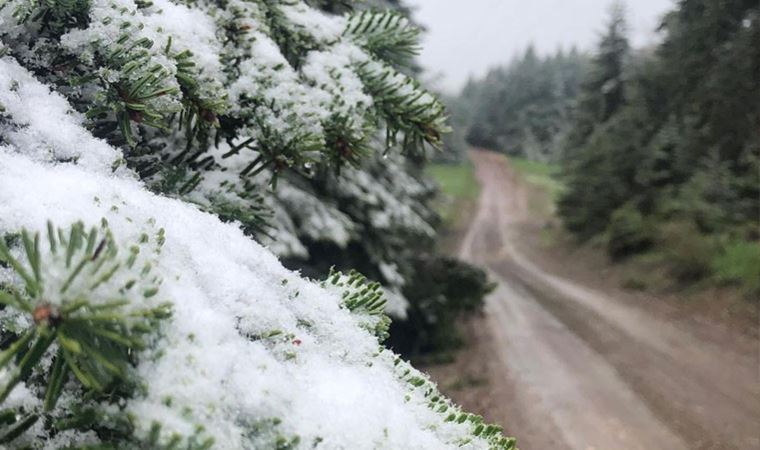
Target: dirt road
[[588, 370]]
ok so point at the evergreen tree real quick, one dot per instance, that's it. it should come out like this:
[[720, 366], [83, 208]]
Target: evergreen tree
[[147, 323], [669, 155], [603, 89]]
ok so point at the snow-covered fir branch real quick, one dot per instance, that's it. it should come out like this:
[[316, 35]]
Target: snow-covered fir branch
[[131, 315]]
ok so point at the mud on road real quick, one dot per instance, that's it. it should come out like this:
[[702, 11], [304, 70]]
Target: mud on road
[[579, 368]]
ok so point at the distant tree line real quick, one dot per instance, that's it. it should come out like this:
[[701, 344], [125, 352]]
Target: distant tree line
[[525, 107]]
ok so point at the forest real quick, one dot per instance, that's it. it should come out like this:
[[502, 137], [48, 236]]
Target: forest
[[657, 147]]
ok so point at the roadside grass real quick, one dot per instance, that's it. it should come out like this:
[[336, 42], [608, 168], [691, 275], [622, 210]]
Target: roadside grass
[[459, 187], [738, 262], [542, 178], [683, 259], [539, 174]]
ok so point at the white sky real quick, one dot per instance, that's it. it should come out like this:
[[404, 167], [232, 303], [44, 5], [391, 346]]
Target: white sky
[[466, 37]]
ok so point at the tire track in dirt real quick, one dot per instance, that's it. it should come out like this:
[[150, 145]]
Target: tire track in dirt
[[591, 371]]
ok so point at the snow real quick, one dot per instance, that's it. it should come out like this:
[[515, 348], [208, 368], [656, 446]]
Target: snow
[[385, 210], [331, 71], [254, 355], [54, 136], [397, 304], [319, 376], [191, 29], [320, 222], [266, 74], [323, 28], [110, 20]]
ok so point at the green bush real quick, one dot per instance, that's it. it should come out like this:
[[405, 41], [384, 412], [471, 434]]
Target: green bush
[[441, 291], [686, 250], [635, 284], [628, 232], [738, 261]]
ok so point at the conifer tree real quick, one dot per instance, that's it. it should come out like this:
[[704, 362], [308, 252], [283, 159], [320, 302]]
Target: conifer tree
[[590, 165], [666, 159], [603, 90], [131, 316]]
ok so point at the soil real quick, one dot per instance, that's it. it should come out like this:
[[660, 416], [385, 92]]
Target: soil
[[563, 357]]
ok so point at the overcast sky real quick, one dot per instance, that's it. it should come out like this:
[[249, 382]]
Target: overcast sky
[[466, 37]]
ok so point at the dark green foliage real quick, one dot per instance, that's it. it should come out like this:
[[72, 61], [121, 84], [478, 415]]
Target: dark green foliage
[[155, 440], [412, 117], [91, 339], [279, 153], [664, 145], [628, 233], [200, 113], [364, 298], [429, 278], [170, 120], [442, 291], [131, 100], [599, 152], [688, 251], [252, 215], [294, 42], [604, 169], [55, 16], [603, 90], [83, 335], [333, 6], [738, 261], [344, 147], [388, 35], [13, 424]]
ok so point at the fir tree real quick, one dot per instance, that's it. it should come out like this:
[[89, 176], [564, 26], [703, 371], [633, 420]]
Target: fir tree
[[589, 165], [666, 159], [145, 113], [603, 89]]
